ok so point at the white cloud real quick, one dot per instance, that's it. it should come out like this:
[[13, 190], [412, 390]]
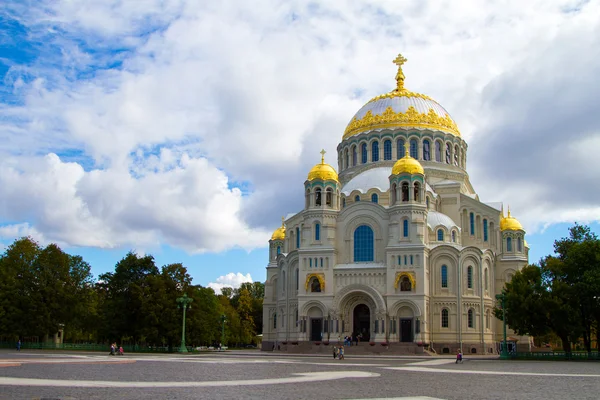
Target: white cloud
[[220, 98], [232, 280]]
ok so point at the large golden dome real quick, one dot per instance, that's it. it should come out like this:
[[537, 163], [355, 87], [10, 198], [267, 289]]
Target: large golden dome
[[509, 223], [279, 233], [408, 165], [401, 108], [323, 171]]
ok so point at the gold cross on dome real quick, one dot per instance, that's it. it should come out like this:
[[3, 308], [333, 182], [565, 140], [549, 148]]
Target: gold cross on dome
[[282, 221], [407, 147], [400, 60], [323, 156]]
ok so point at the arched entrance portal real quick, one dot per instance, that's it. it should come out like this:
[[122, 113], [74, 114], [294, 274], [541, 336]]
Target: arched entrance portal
[[362, 322]]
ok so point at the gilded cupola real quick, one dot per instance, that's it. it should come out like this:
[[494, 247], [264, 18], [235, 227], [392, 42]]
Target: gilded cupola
[[323, 171], [401, 108], [279, 233], [510, 223], [407, 165]]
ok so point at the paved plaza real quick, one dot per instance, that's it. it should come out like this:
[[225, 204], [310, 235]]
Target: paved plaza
[[256, 375]]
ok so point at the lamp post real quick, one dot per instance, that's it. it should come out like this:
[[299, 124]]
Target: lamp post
[[184, 302], [223, 319], [502, 298]]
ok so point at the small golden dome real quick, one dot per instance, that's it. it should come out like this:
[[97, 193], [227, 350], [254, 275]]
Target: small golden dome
[[323, 171], [509, 223], [408, 165], [279, 233]]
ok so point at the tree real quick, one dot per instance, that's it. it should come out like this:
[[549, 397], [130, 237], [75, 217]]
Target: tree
[[561, 295], [125, 292]]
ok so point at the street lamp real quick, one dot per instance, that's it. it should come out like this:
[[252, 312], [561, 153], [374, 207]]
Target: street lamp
[[223, 319], [184, 302], [502, 298]]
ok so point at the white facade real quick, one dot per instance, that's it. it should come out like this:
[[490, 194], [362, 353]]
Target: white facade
[[438, 255]]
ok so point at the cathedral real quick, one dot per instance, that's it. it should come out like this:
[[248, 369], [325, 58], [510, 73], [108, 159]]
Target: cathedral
[[395, 248]]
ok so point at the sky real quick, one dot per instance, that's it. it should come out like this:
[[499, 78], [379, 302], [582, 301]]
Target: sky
[[185, 129]]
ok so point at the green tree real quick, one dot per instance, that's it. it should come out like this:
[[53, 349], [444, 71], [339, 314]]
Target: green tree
[[124, 294]]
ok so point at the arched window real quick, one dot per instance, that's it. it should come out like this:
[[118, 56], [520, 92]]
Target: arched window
[[404, 191], [417, 196], [346, 158], [375, 151], [400, 150], [394, 188], [444, 318], [426, 150], [275, 321], [317, 232], [470, 318], [444, 276], [315, 285], [453, 236], [485, 230], [310, 263], [363, 153], [472, 223], [405, 228], [329, 197], [387, 150], [485, 281], [343, 202], [519, 245], [321, 261], [508, 244], [456, 155], [297, 238], [470, 277], [354, 156], [411, 259], [363, 244], [374, 198], [399, 260], [440, 234], [278, 250], [448, 154], [297, 280], [414, 148], [427, 202], [405, 285], [438, 151], [357, 198], [318, 197]]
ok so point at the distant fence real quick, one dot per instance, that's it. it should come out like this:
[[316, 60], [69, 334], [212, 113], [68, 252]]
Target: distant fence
[[90, 347], [555, 356]]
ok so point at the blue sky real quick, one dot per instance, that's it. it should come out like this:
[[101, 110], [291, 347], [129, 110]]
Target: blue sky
[[185, 130]]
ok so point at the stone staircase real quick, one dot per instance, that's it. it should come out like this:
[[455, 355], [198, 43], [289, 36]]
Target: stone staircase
[[363, 348]]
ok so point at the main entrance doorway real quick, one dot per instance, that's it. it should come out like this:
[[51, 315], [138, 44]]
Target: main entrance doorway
[[406, 332], [316, 327], [362, 322]]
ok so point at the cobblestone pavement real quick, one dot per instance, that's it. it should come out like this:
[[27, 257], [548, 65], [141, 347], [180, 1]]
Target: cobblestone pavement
[[256, 375]]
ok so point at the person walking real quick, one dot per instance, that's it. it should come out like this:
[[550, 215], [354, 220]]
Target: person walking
[[341, 352], [459, 357], [335, 352], [19, 345]]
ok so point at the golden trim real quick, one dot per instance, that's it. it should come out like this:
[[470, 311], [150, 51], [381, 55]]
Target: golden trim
[[400, 275], [319, 276], [411, 118], [400, 93]]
